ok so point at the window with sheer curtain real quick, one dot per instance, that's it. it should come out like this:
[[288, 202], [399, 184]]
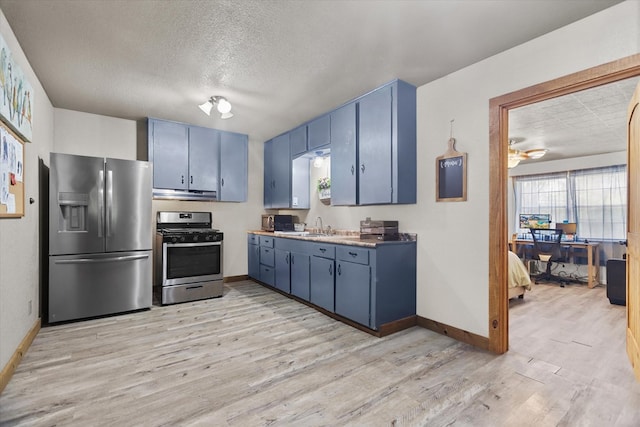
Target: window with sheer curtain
[[595, 199]]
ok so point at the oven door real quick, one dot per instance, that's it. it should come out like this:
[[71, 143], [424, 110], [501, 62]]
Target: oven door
[[191, 262]]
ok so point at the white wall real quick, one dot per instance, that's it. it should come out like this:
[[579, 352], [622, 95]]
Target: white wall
[[92, 135], [19, 242], [453, 278]]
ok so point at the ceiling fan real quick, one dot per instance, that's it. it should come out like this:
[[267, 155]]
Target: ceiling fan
[[515, 155]]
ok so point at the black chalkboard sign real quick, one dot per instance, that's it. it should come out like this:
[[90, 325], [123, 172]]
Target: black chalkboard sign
[[451, 175]]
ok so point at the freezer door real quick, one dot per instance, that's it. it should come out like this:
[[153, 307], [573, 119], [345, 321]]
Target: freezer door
[[89, 285], [76, 198], [128, 223]]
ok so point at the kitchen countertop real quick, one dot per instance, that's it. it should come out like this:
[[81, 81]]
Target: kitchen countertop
[[340, 237]]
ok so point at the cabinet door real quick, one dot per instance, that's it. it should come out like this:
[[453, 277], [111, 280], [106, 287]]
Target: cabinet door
[[300, 275], [283, 271], [204, 146], [233, 167], [374, 148], [268, 174], [344, 163], [322, 282], [281, 172], [298, 140], [170, 144], [353, 291], [254, 261], [319, 132]]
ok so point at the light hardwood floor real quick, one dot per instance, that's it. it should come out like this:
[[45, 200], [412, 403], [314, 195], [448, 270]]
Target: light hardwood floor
[[257, 358]]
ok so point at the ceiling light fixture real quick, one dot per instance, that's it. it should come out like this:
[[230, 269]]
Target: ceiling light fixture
[[318, 161], [515, 156], [222, 105], [535, 153]]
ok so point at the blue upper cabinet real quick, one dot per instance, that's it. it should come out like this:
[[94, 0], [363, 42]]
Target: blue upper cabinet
[[344, 162], [319, 132], [277, 173], [373, 151], [204, 146], [387, 145], [298, 141], [169, 147], [233, 167], [191, 162]]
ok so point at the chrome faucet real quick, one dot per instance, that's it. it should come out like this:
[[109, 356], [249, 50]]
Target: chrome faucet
[[321, 228]]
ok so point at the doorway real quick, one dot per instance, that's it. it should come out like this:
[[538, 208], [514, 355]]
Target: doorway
[[498, 147]]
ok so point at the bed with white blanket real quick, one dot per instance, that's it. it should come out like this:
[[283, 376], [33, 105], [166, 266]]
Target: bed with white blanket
[[519, 279]]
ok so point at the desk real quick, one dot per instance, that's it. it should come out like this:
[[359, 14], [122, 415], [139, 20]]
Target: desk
[[593, 256]]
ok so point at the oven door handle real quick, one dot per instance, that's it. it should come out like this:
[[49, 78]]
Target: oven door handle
[[191, 245]]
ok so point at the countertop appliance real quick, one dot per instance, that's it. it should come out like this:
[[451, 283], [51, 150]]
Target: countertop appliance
[[188, 256], [278, 222], [100, 256]]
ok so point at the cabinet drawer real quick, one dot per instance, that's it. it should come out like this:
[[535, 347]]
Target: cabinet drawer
[[252, 239], [266, 241], [353, 254], [324, 250], [268, 275], [267, 256]]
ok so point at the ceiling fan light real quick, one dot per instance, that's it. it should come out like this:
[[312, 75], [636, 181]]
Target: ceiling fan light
[[226, 115], [536, 153], [513, 162]]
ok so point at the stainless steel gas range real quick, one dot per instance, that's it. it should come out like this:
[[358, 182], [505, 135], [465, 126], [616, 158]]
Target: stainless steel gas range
[[188, 257]]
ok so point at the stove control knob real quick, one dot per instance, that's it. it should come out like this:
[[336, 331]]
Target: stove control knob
[[174, 239], [195, 238], [208, 237], [182, 238]]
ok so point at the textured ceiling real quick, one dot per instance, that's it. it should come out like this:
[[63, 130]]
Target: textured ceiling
[[279, 62], [589, 122]]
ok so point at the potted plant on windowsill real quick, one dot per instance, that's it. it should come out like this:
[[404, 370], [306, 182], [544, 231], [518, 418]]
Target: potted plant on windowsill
[[324, 188]]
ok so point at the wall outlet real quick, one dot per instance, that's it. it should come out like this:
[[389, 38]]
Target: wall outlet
[[30, 306]]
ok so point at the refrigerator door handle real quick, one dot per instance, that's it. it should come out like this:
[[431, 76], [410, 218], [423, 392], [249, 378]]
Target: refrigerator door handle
[[101, 203], [109, 206], [111, 259]]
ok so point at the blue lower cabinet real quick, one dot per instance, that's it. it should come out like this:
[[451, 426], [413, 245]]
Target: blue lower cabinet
[[372, 286], [300, 274], [268, 275], [353, 291], [283, 270], [322, 282], [254, 261]]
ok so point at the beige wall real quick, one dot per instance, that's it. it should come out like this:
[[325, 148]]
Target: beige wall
[[19, 241], [452, 237]]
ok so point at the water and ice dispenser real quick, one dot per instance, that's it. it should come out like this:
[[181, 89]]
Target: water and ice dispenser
[[73, 211]]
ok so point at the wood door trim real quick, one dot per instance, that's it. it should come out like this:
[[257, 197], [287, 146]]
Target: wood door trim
[[498, 145]]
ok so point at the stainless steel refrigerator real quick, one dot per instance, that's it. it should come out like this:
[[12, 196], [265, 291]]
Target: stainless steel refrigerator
[[100, 236]]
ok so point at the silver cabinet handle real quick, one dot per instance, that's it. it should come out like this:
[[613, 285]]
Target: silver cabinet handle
[[330, 269], [339, 270], [352, 169], [362, 168]]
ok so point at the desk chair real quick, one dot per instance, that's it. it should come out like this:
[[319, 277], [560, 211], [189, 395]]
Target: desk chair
[[547, 248]]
